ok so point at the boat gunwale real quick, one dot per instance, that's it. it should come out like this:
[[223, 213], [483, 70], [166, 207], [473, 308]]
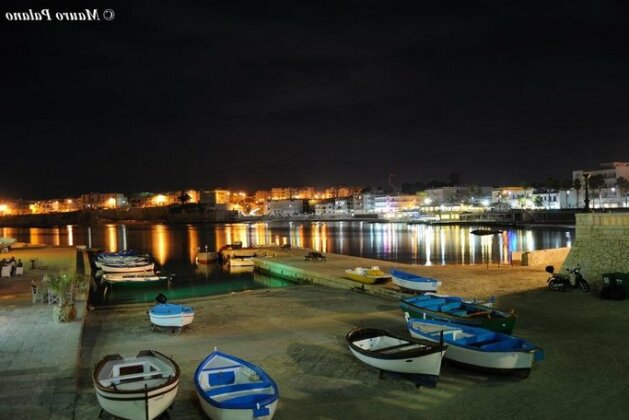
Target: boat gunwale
[[430, 347]]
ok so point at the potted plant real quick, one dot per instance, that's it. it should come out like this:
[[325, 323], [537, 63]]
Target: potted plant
[[64, 286]]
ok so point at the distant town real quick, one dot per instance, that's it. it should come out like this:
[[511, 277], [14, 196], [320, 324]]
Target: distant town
[[607, 187]]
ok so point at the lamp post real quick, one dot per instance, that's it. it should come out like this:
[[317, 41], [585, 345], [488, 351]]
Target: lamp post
[[586, 179]]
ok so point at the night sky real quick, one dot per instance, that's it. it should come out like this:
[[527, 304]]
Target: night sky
[[276, 93]]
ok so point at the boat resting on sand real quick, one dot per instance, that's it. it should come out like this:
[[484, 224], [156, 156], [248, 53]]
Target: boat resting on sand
[[417, 359], [368, 275], [480, 348], [136, 388], [455, 310], [414, 282], [171, 315], [230, 388]]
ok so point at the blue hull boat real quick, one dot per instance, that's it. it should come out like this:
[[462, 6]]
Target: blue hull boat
[[455, 309], [231, 388]]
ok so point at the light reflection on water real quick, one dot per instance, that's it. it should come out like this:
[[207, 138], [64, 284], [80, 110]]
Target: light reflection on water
[[417, 244]]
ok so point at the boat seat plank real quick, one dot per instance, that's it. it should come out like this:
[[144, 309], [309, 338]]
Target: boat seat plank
[[136, 377], [397, 346], [244, 401], [228, 389]]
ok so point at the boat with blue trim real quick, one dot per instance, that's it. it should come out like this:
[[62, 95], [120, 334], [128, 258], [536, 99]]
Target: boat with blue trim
[[456, 310], [171, 315], [479, 348], [230, 388], [414, 282]]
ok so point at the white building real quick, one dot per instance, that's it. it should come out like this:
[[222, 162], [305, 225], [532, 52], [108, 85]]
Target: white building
[[395, 203], [609, 195]]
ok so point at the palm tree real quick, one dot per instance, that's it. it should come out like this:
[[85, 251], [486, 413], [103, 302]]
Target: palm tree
[[184, 198], [623, 187], [597, 182], [576, 184]]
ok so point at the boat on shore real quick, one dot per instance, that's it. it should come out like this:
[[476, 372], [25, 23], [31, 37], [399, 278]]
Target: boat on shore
[[136, 388], [479, 348], [206, 257], [230, 388], [367, 275], [171, 315], [454, 309], [418, 359], [414, 282]]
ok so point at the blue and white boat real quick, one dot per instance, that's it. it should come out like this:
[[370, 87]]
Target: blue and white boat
[[479, 348], [414, 282], [230, 388], [171, 315]]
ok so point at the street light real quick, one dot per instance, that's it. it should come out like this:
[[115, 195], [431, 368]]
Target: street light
[[586, 179]]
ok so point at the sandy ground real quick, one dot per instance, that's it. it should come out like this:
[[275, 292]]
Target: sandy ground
[[297, 335]]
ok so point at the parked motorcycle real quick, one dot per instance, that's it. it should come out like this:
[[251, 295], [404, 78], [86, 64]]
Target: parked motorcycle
[[573, 279]]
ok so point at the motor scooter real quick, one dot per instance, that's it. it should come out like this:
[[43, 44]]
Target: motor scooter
[[574, 279]]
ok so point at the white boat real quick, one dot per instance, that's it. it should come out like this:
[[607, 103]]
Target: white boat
[[206, 257], [237, 261], [171, 315], [132, 278], [136, 388], [119, 260], [128, 267], [230, 388], [479, 348], [418, 358], [414, 282]]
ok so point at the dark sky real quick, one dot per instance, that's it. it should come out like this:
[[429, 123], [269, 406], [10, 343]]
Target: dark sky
[[261, 93]]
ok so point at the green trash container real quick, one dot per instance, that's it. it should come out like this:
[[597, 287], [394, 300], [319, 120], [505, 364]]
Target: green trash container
[[615, 285]]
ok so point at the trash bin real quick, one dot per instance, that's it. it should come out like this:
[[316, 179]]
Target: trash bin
[[615, 286]]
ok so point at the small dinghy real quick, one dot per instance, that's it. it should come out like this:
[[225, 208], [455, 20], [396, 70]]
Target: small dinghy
[[128, 266], [136, 388], [230, 388], [414, 282], [368, 275], [171, 315], [418, 359], [480, 348]]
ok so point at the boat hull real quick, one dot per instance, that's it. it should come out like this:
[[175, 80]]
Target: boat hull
[[216, 413], [366, 278], [508, 361], [418, 286], [127, 269], [429, 364], [140, 387], [206, 257], [241, 262], [230, 388], [177, 320], [133, 406], [484, 318]]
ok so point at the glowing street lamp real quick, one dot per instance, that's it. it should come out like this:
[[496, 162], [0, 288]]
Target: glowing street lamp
[[111, 202]]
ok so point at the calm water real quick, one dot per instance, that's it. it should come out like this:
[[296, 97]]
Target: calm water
[[175, 246]]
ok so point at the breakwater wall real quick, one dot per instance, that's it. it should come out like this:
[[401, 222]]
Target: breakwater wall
[[170, 214], [601, 245]]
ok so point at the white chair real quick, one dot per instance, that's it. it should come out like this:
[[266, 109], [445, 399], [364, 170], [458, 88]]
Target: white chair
[[6, 271], [52, 298], [19, 271]]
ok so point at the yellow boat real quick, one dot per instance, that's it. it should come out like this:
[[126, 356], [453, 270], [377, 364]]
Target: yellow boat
[[368, 275]]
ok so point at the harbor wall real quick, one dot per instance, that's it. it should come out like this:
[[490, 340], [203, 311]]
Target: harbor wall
[[601, 245]]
